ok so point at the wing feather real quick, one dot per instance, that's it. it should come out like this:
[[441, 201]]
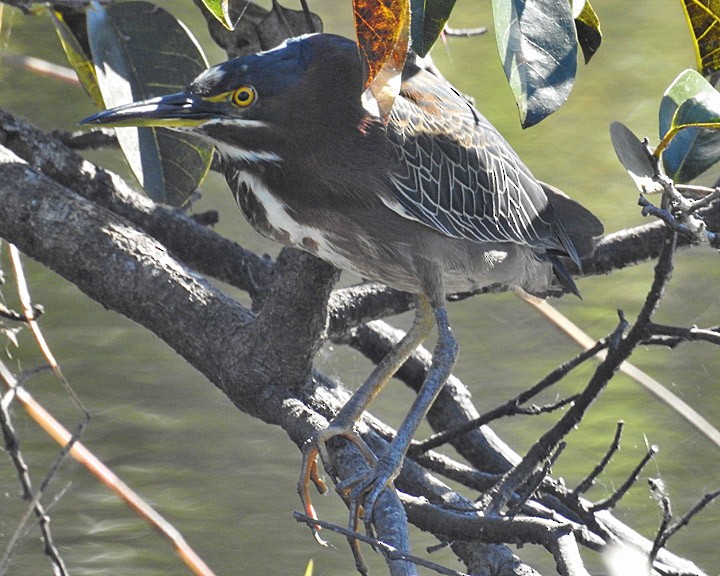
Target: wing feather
[[458, 175]]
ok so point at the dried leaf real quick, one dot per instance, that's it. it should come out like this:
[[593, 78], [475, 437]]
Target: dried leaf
[[382, 29]]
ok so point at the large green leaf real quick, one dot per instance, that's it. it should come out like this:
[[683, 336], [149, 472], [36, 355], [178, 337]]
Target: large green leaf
[[537, 43], [428, 18], [72, 30], [689, 120], [141, 51]]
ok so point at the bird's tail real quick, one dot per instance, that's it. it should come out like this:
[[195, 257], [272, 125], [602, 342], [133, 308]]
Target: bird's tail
[[580, 225], [576, 228]]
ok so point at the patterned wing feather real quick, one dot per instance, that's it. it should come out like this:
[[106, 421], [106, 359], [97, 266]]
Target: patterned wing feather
[[458, 175]]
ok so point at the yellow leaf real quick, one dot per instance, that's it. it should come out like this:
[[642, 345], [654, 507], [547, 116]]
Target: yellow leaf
[[703, 17]]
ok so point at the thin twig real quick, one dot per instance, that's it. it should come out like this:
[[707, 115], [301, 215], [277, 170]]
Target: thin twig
[[672, 336], [685, 519], [631, 479], [9, 314], [12, 446], [689, 226], [585, 485], [536, 480], [386, 550], [512, 406], [24, 295], [659, 492]]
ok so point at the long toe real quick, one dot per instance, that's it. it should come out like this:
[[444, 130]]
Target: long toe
[[362, 491], [315, 448]]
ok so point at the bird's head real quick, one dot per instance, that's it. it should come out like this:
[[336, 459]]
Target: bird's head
[[306, 86]]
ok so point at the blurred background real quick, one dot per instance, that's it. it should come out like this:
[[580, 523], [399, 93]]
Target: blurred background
[[227, 481]]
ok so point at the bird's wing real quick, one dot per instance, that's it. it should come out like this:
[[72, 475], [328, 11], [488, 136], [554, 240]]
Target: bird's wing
[[458, 175]]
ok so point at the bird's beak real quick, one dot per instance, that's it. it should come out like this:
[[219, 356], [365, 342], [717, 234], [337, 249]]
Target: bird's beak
[[180, 109]]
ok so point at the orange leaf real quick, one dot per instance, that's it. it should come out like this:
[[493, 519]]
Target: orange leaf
[[383, 31], [379, 27]]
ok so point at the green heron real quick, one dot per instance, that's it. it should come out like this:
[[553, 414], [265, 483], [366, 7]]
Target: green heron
[[432, 200]]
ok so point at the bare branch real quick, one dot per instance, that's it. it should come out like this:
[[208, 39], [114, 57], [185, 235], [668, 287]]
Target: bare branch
[[12, 446], [667, 531], [585, 485], [672, 336], [659, 492], [388, 551], [629, 482]]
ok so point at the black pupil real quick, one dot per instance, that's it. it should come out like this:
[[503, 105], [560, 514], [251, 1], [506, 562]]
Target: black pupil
[[243, 96]]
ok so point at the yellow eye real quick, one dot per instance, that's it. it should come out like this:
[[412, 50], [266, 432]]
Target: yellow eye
[[244, 96]]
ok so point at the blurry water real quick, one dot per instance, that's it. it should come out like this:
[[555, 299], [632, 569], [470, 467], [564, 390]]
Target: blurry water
[[228, 482]]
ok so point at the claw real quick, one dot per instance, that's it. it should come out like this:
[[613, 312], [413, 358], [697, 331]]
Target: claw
[[309, 472], [362, 491]]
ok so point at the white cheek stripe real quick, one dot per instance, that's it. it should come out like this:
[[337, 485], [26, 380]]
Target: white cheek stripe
[[244, 155], [241, 154]]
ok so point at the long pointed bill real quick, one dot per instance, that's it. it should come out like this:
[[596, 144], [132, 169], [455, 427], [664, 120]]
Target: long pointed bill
[[180, 109]]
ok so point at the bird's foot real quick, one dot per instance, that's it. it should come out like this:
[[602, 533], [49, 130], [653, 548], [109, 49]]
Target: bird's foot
[[317, 446], [361, 492]]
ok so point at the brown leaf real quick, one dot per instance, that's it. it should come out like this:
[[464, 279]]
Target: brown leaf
[[383, 31], [379, 27]]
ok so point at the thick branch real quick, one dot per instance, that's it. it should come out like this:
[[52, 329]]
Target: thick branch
[[131, 273]]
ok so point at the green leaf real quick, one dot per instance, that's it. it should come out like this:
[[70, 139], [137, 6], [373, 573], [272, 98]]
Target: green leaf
[[587, 25], [72, 31], [219, 9], [140, 51], [689, 119], [634, 157], [428, 18], [537, 43], [703, 18]]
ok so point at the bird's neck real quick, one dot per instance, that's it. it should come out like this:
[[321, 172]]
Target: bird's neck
[[342, 166]]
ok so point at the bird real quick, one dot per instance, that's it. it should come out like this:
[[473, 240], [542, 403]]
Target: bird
[[430, 200]]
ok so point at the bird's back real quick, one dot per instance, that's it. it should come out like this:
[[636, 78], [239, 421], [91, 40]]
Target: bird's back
[[455, 173]]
